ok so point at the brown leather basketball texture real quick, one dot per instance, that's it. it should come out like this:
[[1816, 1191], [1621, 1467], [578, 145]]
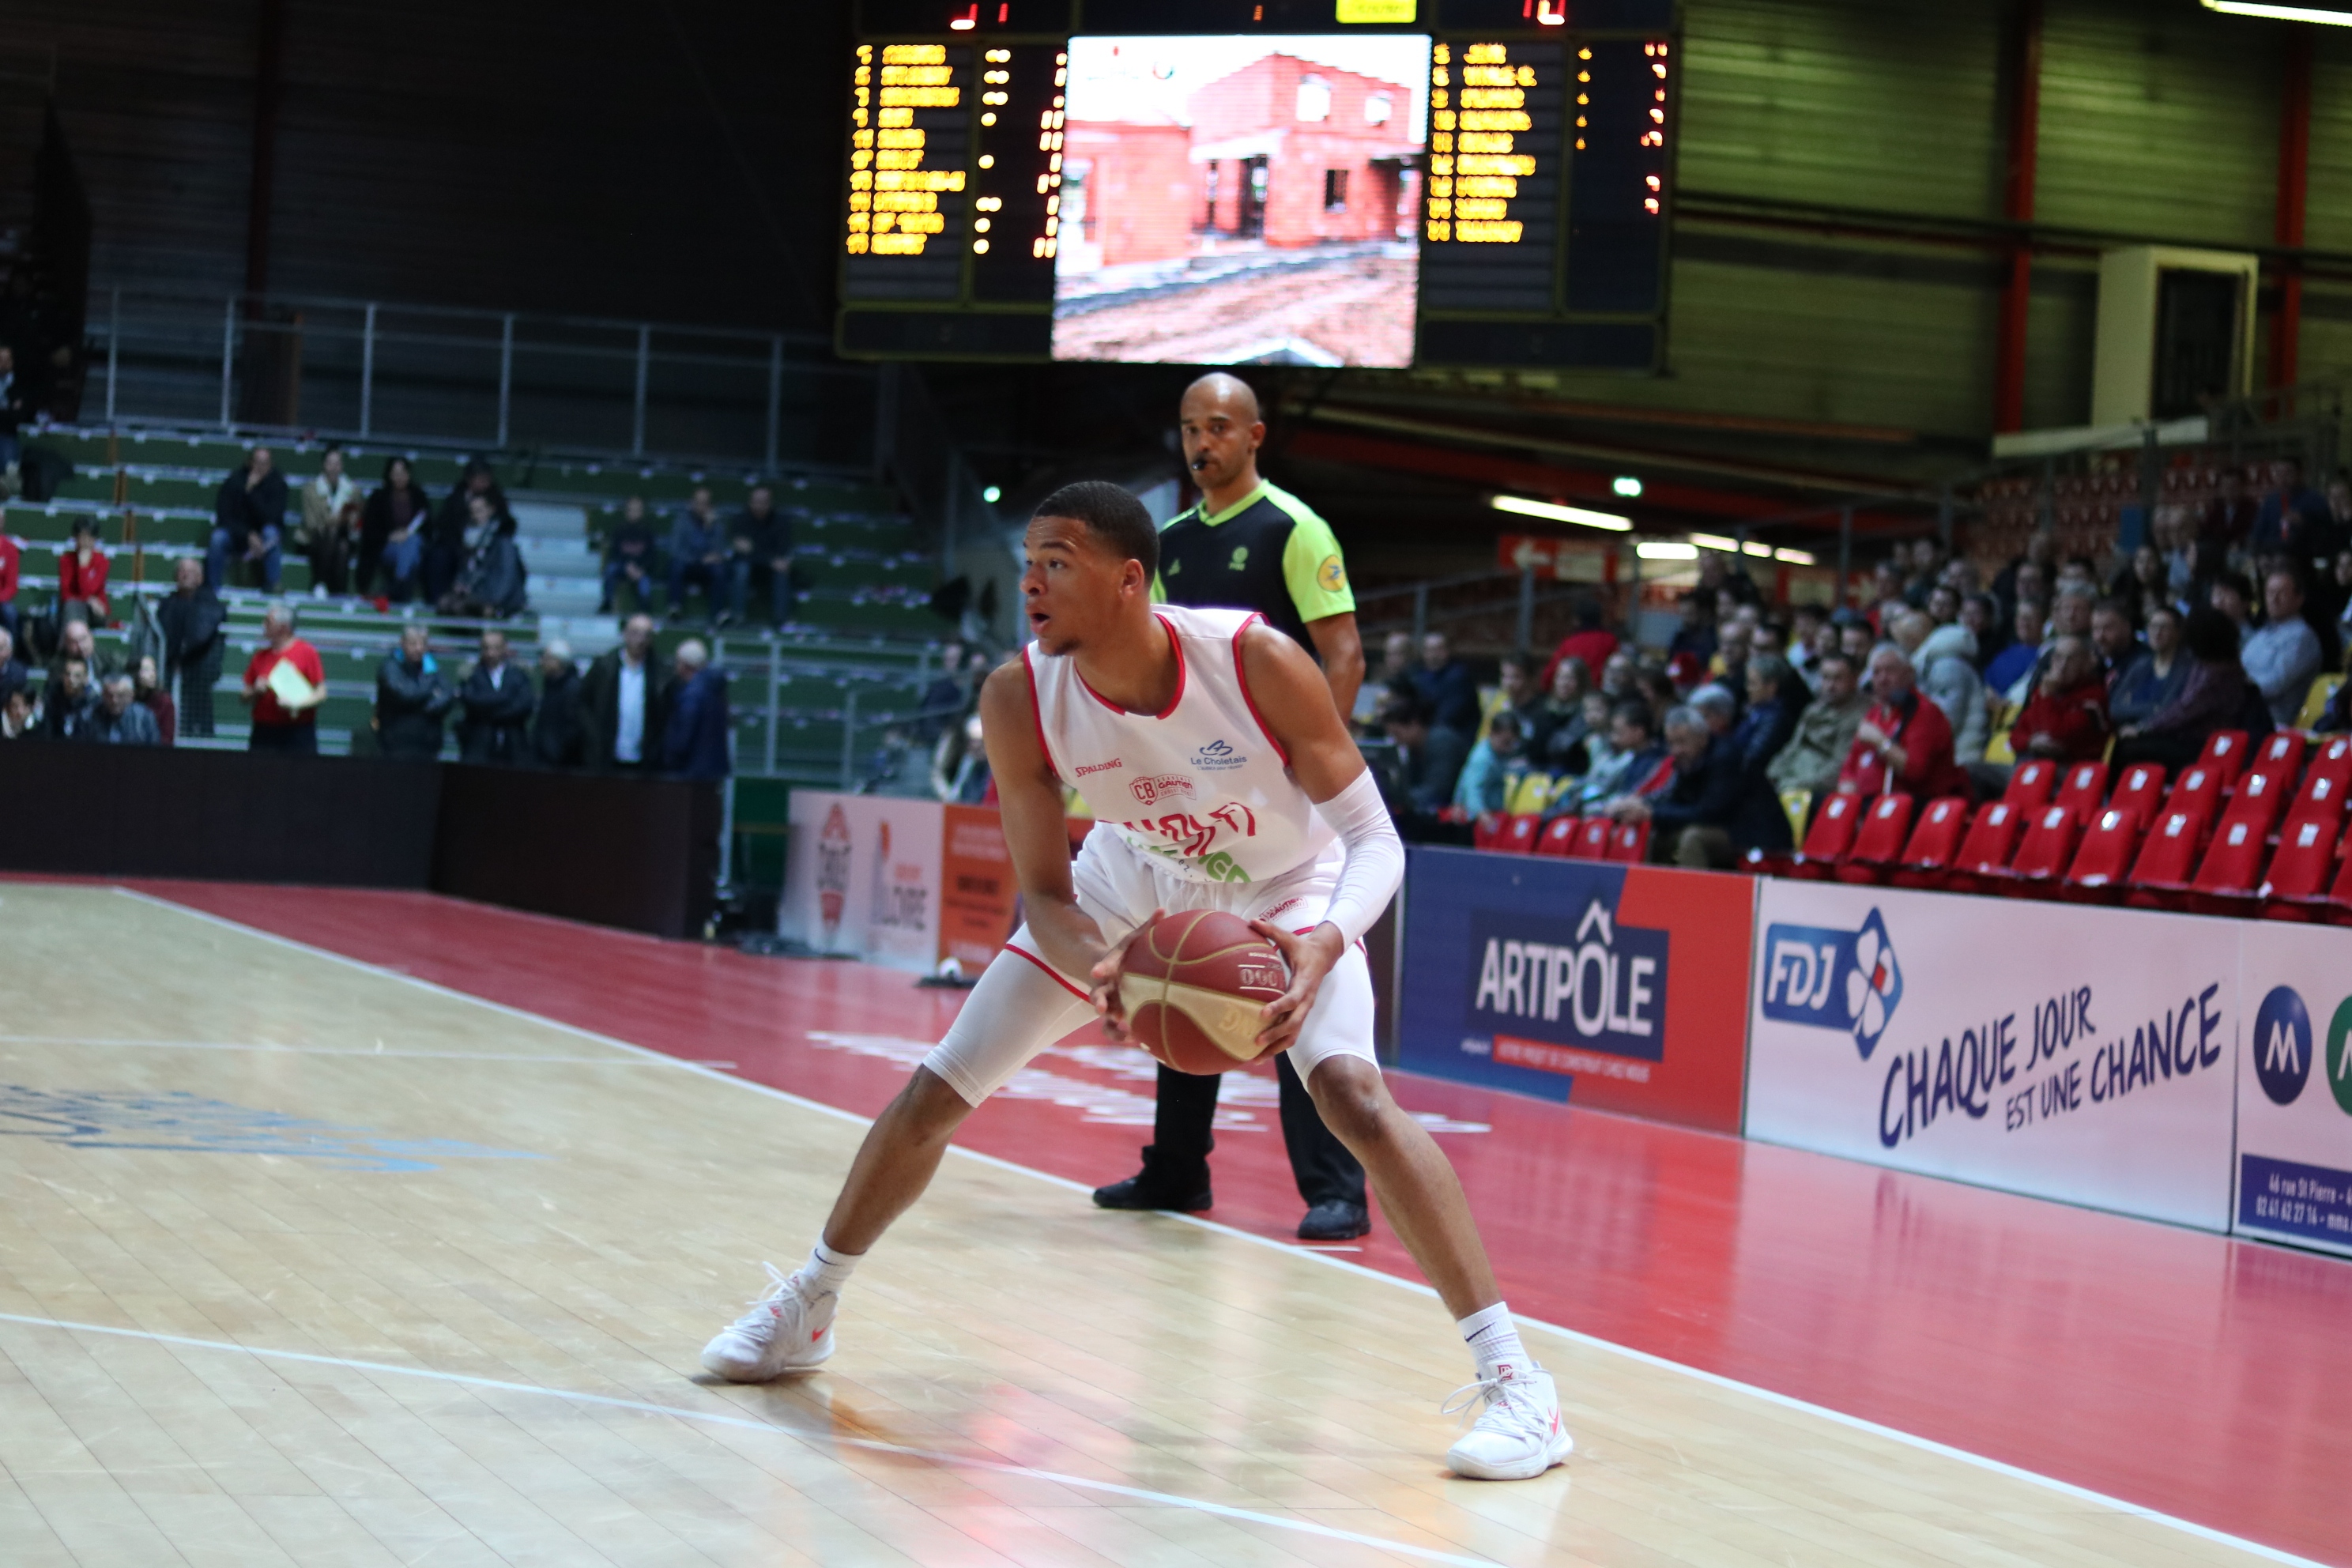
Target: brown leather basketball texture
[[1192, 985]]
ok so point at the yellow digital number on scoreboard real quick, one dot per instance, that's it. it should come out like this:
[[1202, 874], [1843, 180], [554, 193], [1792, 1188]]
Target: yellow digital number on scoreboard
[[1478, 111], [894, 200]]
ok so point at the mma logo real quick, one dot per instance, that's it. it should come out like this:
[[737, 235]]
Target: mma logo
[[1160, 787], [1826, 979], [2282, 1045]]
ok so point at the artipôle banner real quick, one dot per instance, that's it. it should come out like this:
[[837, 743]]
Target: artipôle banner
[[1618, 987], [2083, 1054], [2294, 1086], [978, 891]]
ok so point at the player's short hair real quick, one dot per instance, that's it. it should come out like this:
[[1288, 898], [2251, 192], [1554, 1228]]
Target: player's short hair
[[1112, 515]]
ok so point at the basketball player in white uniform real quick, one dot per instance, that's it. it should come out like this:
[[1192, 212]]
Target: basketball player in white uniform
[[1220, 776]]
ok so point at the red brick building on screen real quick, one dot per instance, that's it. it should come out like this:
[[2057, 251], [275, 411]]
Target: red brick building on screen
[[1282, 151]]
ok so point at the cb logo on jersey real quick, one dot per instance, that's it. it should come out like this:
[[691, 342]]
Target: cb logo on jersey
[[1163, 786]]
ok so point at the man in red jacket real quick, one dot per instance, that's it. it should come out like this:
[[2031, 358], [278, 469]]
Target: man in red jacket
[[1904, 742], [277, 726], [2066, 717]]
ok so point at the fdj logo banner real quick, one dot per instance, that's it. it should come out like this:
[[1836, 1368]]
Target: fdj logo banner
[[1588, 983], [1829, 979]]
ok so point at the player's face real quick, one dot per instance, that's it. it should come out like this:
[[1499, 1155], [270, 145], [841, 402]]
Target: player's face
[[1219, 438], [1072, 587]]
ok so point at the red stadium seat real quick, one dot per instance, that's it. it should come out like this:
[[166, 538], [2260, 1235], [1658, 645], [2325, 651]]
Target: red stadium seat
[[1487, 831], [1519, 833], [2334, 760], [2105, 856], [1831, 836], [2048, 844], [2032, 782], [2226, 755], [2281, 756], [2340, 895], [2083, 791], [1558, 837], [2321, 800], [2140, 794], [1592, 839], [1992, 840], [2199, 789], [1879, 841], [2232, 869], [2301, 869], [2165, 859], [1629, 842], [2261, 797], [1934, 841]]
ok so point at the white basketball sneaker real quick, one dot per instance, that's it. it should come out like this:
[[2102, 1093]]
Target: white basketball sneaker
[[786, 1330], [1519, 1433]]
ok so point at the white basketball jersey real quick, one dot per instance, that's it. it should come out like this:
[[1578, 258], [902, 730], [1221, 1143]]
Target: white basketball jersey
[[1202, 788]]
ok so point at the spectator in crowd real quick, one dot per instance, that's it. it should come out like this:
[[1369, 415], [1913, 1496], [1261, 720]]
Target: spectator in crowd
[[333, 514], [697, 555], [289, 723], [1573, 747], [1888, 584], [248, 520], [2139, 586], [1638, 765], [147, 691], [75, 640], [2153, 679], [2336, 717], [1942, 658], [2112, 637], [760, 555], [1495, 763], [1517, 692], [15, 407], [2028, 576], [193, 619], [1695, 637], [2292, 520], [1429, 756], [625, 703], [1855, 639], [11, 560], [2065, 718], [1775, 702], [1943, 606], [2282, 655], [1658, 691], [2230, 517], [694, 744], [1904, 743], [119, 720], [2070, 612], [1617, 676], [960, 765], [494, 584], [391, 534], [68, 703], [411, 697], [1733, 649], [1395, 666], [948, 694], [16, 721], [82, 575], [1562, 708], [495, 705], [1690, 818], [445, 553], [1806, 624], [2213, 696], [2233, 595], [12, 673], [1590, 641], [1443, 682], [558, 735], [2014, 665], [629, 557], [1980, 613]]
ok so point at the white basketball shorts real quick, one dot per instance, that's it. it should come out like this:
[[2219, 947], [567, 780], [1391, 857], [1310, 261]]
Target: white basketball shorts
[[1023, 1003]]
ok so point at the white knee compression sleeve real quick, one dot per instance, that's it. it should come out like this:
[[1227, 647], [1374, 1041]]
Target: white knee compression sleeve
[[1375, 856]]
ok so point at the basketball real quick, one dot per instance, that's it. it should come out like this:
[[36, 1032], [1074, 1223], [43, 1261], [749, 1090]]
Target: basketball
[[1192, 985]]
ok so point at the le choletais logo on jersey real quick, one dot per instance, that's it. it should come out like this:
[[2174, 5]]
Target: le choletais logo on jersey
[[1217, 756]]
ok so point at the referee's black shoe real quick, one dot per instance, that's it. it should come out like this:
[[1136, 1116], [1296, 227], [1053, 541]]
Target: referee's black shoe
[[1335, 1219], [1157, 1187]]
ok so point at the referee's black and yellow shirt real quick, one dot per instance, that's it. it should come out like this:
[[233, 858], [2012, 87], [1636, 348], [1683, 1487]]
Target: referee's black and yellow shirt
[[1267, 552]]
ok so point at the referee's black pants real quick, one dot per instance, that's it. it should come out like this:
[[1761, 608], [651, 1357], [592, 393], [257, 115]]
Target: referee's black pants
[[1320, 1164]]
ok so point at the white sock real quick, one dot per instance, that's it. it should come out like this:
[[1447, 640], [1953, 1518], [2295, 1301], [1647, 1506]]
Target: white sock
[[826, 1271], [1493, 1339]]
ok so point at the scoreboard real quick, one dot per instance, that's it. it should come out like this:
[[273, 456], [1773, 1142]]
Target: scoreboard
[[1532, 196]]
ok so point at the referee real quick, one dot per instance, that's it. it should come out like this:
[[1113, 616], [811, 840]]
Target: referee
[[1249, 546]]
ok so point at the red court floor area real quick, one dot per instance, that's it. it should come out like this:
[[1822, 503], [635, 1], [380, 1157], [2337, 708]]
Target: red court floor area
[[2202, 1377]]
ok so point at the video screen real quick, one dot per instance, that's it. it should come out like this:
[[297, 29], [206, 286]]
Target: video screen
[[1241, 200]]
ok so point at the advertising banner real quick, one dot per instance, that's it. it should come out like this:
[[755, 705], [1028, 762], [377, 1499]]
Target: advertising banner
[[862, 877], [2088, 1055], [2294, 1086], [978, 891], [1622, 987]]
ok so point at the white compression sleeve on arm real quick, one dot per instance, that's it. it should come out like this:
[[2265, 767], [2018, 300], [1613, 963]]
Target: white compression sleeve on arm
[[1375, 857]]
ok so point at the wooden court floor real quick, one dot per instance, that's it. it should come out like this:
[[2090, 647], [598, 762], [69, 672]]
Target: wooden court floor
[[303, 1262]]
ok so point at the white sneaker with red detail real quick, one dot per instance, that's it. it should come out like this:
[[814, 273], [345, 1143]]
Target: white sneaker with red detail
[[1518, 1434], [786, 1330]]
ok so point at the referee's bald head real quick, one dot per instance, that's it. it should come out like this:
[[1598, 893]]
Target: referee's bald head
[[1227, 393]]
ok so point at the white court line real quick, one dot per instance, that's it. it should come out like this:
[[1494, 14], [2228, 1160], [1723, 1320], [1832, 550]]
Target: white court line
[[812, 1438], [1786, 1402], [345, 1051]]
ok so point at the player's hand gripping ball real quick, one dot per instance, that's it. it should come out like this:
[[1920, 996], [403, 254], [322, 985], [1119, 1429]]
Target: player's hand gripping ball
[[1193, 985]]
